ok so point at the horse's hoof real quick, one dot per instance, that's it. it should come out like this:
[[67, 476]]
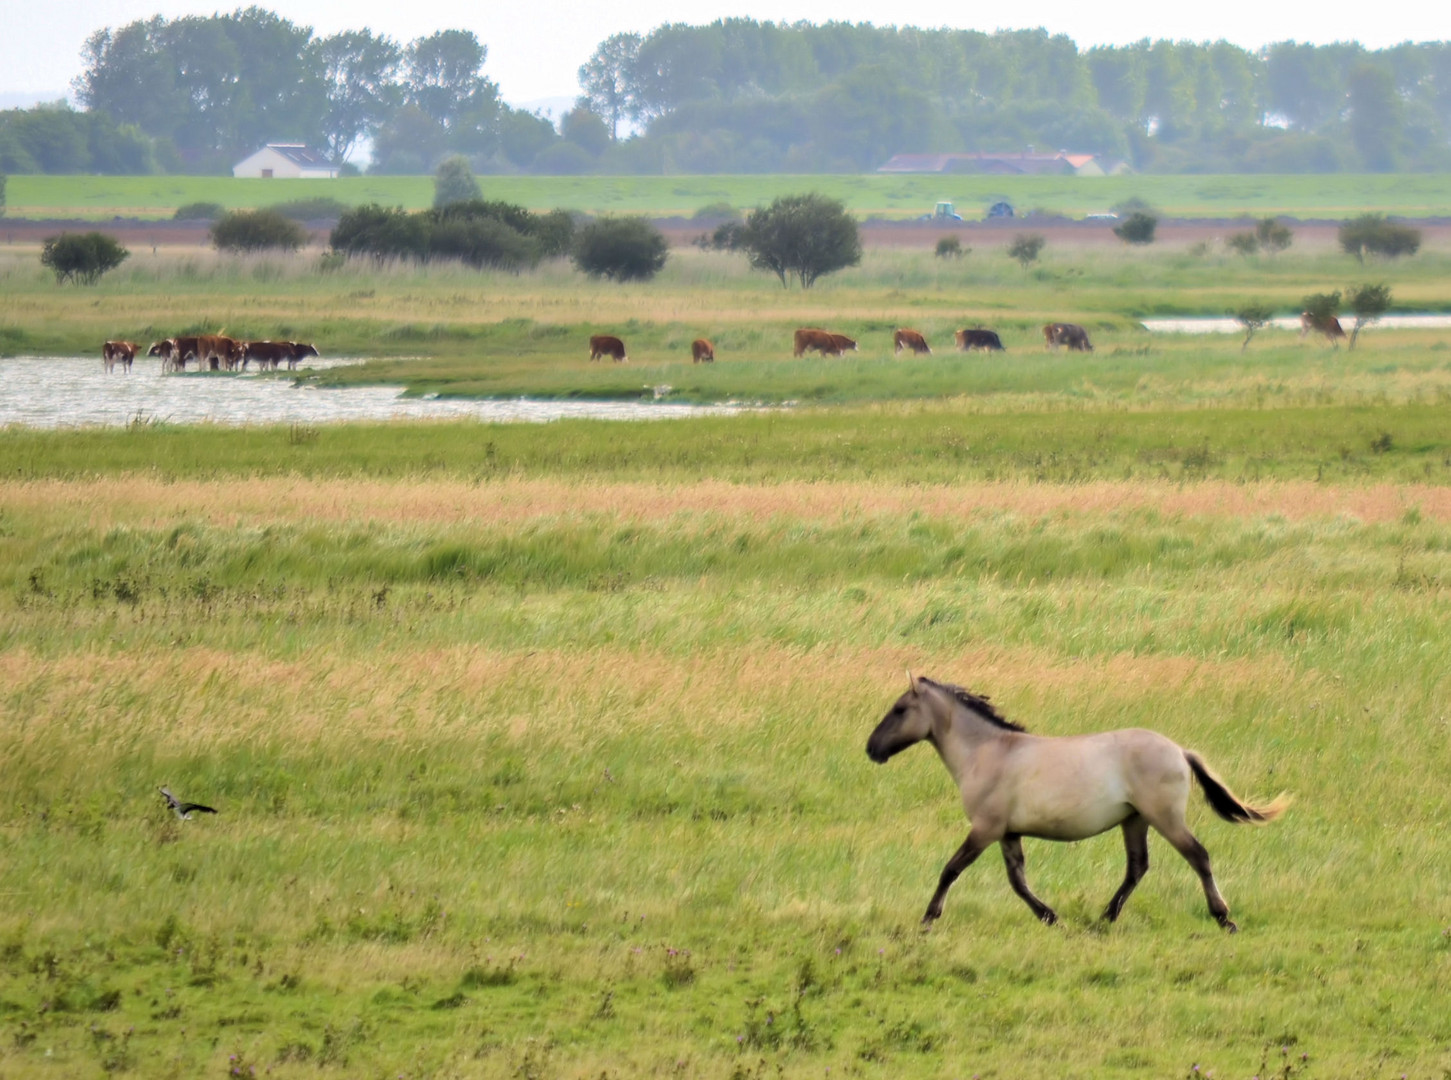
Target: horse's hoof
[[1229, 926], [1049, 918]]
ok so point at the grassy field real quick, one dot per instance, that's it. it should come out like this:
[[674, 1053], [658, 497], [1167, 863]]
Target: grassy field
[[539, 749], [445, 329], [1331, 196]]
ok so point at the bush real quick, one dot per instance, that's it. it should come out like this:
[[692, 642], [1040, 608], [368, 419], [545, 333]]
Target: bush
[[716, 211], [82, 257], [1139, 228], [1272, 236], [2, 194], [1252, 317], [318, 208], [454, 183], [1244, 243], [804, 235], [1025, 248], [622, 249], [950, 247], [1372, 234], [257, 230], [1368, 303], [199, 211], [1322, 307], [478, 233], [728, 236]]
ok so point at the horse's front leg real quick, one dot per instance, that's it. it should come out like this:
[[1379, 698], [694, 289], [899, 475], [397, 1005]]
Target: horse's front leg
[[1013, 857], [976, 843]]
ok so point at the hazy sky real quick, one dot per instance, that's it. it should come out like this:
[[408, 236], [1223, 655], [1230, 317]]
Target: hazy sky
[[536, 47]]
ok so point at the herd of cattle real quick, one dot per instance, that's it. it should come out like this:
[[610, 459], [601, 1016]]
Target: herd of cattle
[[215, 351], [827, 343]]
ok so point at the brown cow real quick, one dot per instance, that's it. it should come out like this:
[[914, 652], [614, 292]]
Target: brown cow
[[1069, 334], [171, 358], [820, 340], [301, 350], [185, 349], [268, 354], [1329, 326], [607, 345], [118, 352], [702, 351], [987, 340], [909, 339], [219, 351], [843, 343]]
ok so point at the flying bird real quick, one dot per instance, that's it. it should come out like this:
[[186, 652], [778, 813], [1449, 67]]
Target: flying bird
[[183, 809]]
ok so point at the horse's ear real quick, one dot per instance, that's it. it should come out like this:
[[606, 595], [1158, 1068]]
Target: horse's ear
[[911, 680]]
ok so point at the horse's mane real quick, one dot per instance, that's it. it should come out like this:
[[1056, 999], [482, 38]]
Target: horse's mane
[[976, 702]]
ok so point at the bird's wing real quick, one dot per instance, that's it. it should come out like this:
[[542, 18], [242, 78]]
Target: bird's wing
[[188, 807], [169, 797]]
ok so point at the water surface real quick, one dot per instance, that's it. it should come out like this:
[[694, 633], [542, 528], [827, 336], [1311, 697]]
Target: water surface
[[1228, 325], [52, 392]]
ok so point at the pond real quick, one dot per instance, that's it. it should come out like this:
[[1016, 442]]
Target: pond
[[52, 392], [1228, 325]]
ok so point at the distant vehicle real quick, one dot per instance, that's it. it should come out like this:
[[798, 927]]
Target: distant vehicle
[[944, 211], [1100, 217], [1000, 210]]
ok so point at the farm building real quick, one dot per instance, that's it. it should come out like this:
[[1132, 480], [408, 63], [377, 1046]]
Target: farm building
[[1023, 163], [289, 161]]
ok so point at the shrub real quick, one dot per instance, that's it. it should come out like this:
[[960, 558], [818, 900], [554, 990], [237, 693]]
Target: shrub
[[2, 194], [257, 230], [454, 183], [802, 235], [1322, 307], [199, 211], [1372, 234], [1273, 236], [381, 232], [1244, 243], [1139, 228], [715, 211], [82, 257], [729, 236], [318, 208], [950, 247], [622, 249], [478, 233], [1025, 248]]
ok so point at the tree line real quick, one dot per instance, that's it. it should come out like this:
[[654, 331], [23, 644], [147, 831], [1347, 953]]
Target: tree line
[[196, 93]]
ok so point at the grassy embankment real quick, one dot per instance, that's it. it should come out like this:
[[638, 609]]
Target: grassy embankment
[[539, 750], [103, 197], [443, 329]]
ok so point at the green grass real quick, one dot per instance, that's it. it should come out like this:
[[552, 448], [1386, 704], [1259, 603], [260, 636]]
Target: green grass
[[1333, 196]]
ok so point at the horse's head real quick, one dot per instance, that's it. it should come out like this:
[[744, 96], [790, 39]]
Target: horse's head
[[908, 721]]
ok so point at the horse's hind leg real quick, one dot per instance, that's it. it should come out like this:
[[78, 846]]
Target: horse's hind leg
[[1013, 855], [1194, 853], [1136, 843]]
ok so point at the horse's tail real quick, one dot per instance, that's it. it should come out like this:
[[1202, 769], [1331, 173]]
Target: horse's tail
[[1225, 803]]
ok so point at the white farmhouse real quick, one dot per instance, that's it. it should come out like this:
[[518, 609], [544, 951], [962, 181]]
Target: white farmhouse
[[291, 161]]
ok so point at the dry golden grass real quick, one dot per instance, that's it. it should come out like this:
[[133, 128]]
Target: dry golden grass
[[140, 501]]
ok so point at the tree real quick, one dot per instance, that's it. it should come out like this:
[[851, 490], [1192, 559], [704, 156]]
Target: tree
[[445, 79], [1375, 117], [608, 80], [1368, 303], [1373, 234], [82, 257], [2, 194], [1252, 317], [1273, 236], [621, 249], [360, 73], [1025, 248], [1322, 307], [454, 182], [801, 235], [586, 130], [257, 230], [1139, 228]]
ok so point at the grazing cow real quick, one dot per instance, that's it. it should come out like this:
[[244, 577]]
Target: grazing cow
[[118, 352], [185, 348], [607, 345], [702, 351], [909, 339], [843, 343], [820, 340], [987, 340], [301, 350], [1329, 326], [1069, 334]]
